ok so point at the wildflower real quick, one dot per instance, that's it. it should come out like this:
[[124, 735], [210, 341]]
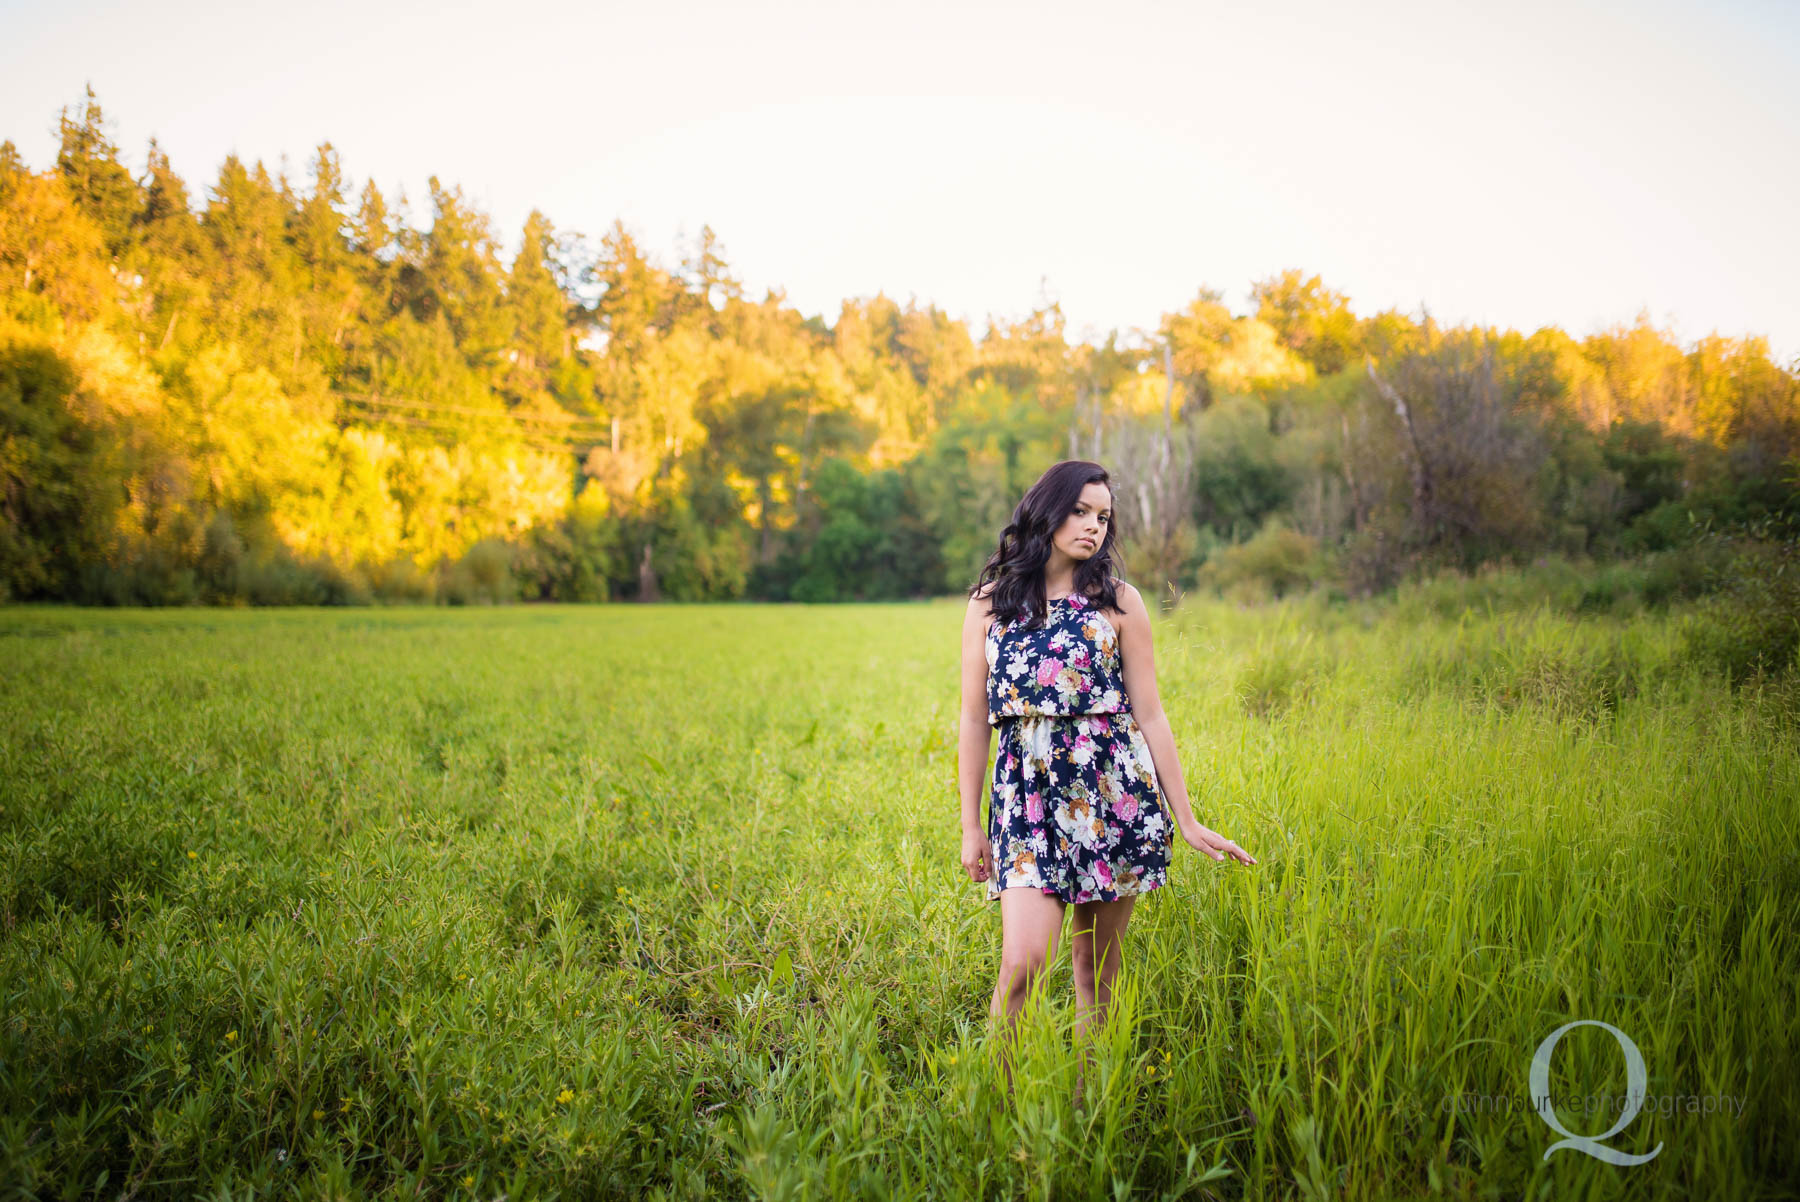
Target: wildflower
[[193, 855], [566, 1096], [469, 1181], [231, 1036], [317, 1115], [1152, 1070], [345, 1108], [952, 1058]]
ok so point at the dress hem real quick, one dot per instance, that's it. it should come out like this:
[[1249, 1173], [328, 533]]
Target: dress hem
[[1109, 895]]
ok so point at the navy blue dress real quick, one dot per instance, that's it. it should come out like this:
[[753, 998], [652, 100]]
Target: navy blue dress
[[1076, 809]]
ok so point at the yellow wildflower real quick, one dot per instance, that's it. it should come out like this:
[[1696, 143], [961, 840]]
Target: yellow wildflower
[[231, 1036], [317, 1115], [566, 1096], [193, 855]]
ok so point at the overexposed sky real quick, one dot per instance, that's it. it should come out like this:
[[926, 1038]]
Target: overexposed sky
[[1523, 164]]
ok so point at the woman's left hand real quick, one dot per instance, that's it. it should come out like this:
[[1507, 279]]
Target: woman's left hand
[[1214, 844]]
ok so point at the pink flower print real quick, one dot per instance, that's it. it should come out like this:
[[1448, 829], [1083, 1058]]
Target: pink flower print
[[1126, 807], [1034, 806], [1103, 871], [1047, 670], [1079, 658]]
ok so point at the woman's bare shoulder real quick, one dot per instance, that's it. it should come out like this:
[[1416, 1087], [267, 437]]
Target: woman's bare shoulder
[[1125, 598], [981, 606]]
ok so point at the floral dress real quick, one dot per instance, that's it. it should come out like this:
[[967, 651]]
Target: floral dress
[[1076, 809]]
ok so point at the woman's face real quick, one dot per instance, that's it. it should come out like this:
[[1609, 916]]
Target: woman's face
[[1083, 532]]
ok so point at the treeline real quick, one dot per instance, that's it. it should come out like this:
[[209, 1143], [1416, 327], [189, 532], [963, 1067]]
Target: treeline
[[276, 393]]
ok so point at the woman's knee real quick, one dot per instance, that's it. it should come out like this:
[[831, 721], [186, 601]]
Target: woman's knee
[[1020, 967]]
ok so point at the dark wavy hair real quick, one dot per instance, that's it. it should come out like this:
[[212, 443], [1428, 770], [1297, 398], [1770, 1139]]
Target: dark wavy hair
[[1017, 566]]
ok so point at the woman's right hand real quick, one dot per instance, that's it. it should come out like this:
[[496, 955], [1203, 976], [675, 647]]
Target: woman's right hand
[[1210, 842], [977, 855]]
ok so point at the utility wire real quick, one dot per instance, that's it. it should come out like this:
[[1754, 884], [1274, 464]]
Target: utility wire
[[425, 417], [571, 423], [545, 446]]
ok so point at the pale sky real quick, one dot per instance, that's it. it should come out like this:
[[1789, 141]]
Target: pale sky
[[1520, 164]]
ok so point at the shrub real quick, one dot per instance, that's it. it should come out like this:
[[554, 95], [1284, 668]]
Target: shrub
[[1749, 625], [1277, 562], [484, 575]]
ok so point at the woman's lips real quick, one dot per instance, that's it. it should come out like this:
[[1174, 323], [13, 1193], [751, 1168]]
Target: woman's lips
[[1086, 542]]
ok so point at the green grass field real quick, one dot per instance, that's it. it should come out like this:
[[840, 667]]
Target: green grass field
[[664, 901]]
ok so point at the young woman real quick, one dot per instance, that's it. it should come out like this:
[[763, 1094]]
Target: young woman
[[1086, 792]]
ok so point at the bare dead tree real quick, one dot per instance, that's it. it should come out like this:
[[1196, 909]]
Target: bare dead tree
[[1154, 477], [1471, 457], [1081, 393], [1089, 414], [1421, 475], [1349, 463], [647, 590]]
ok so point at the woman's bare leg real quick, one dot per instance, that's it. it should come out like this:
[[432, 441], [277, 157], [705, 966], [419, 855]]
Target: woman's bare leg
[[1030, 922], [1096, 953]]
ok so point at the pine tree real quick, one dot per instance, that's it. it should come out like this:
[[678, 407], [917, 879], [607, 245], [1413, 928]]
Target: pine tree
[[98, 182]]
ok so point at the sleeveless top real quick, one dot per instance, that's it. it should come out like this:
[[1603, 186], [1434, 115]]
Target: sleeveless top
[[1068, 666]]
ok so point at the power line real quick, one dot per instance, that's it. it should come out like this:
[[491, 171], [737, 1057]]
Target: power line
[[546, 446], [424, 417], [570, 423], [535, 424]]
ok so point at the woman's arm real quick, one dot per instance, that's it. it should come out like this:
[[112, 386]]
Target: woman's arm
[[974, 738], [1139, 672], [974, 735]]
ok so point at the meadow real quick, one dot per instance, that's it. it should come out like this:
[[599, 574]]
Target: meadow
[[664, 902]]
